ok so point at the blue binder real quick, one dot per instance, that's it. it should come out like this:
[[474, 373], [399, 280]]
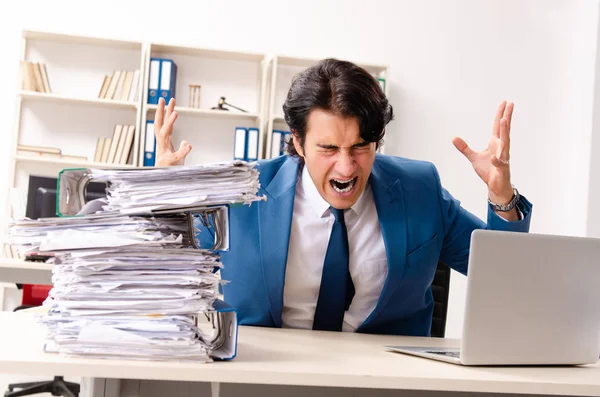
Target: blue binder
[[252, 144], [276, 143], [162, 79], [154, 81], [279, 142], [149, 145], [287, 136], [240, 145], [168, 78]]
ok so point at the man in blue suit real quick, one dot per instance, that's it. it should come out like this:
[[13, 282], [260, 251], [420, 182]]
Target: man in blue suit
[[349, 239]]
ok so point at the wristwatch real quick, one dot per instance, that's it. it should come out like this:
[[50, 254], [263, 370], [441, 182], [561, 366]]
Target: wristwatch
[[507, 207]]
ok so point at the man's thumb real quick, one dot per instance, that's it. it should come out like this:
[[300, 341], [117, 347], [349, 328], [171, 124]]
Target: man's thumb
[[184, 148], [462, 147]]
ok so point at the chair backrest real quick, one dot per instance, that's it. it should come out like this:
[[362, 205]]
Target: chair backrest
[[440, 287]]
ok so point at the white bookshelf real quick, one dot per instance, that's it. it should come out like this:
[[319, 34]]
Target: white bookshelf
[[211, 113], [61, 163], [284, 69], [92, 102], [240, 77], [72, 117]]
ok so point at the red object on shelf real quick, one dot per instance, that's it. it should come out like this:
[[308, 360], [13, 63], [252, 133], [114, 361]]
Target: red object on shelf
[[35, 294]]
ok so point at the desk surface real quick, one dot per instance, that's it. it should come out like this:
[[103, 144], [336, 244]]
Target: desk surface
[[297, 357]]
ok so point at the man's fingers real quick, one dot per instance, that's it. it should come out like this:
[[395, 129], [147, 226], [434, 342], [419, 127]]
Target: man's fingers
[[184, 150], [504, 138], [185, 147], [462, 147], [167, 130], [496, 162], [159, 116], [170, 108], [508, 113], [499, 114]]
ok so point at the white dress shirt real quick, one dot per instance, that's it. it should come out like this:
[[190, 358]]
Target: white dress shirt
[[312, 222]]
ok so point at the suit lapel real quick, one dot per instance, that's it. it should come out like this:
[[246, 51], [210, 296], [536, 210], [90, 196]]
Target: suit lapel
[[275, 221], [391, 211]]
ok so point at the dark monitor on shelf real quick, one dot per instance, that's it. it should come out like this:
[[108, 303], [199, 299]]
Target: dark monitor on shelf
[[41, 197]]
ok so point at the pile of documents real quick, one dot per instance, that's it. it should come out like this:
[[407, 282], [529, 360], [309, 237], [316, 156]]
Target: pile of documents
[[141, 191], [131, 286]]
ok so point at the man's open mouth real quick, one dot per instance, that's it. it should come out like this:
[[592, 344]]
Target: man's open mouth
[[343, 186]]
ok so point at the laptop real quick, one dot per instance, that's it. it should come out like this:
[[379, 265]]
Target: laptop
[[532, 299]]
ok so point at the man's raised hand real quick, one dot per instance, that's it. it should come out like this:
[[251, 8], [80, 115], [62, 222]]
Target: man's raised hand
[[166, 155]]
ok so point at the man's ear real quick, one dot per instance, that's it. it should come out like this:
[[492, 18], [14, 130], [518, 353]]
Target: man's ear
[[297, 145]]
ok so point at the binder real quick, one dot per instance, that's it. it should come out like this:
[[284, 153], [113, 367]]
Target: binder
[[252, 145], [381, 82], [279, 142], [222, 318], [212, 228], [219, 322], [276, 143], [240, 149], [153, 81], [287, 135], [225, 326], [149, 145], [167, 79]]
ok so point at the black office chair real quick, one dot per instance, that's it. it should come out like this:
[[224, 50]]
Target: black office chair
[[440, 287]]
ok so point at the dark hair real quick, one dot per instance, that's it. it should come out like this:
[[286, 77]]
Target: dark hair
[[342, 88]]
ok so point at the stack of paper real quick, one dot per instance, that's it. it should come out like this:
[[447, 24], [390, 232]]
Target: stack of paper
[[143, 190], [123, 286], [136, 302], [127, 280], [93, 231]]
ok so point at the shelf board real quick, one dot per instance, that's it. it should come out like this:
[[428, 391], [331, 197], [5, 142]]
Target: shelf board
[[40, 96], [307, 62], [161, 49], [25, 272], [84, 40], [209, 112], [279, 117], [70, 163], [21, 264]]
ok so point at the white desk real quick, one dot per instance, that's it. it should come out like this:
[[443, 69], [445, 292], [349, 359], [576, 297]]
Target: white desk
[[296, 357], [21, 272]]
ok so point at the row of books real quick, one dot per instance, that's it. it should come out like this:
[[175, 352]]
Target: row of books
[[116, 149], [11, 251], [34, 77], [123, 85]]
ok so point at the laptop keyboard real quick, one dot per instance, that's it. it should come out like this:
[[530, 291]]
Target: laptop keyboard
[[454, 354]]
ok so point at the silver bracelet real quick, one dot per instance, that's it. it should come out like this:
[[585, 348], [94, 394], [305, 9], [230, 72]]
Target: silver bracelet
[[507, 207]]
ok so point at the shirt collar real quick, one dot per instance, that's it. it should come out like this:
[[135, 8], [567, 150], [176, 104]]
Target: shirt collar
[[319, 205]]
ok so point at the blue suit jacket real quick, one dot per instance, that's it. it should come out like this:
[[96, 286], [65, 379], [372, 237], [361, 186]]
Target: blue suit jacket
[[420, 221]]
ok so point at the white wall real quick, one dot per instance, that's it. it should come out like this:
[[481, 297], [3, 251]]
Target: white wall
[[451, 64], [593, 215]]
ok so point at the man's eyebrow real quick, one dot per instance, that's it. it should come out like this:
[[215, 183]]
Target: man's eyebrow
[[332, 146], [327, 146]]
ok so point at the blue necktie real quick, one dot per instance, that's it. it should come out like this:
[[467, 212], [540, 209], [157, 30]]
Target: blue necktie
[[337, 290]]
